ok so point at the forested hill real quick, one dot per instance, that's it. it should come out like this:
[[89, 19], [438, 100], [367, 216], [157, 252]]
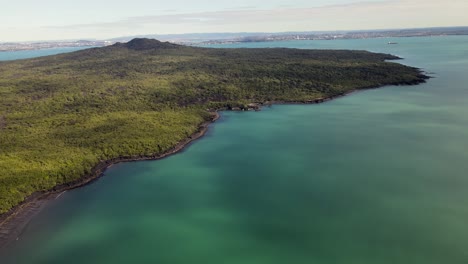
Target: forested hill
[[61, 115]]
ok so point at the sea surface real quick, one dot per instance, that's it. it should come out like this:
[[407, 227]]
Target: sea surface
[[26, 54], [376, 177]]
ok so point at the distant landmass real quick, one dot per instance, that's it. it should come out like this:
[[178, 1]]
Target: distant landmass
[[225, 38], [64, 118], [18, 46]]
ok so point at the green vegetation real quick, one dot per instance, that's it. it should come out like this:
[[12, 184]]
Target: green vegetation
[[60, 115]]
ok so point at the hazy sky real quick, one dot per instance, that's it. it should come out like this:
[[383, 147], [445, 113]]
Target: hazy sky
[[22, 20]]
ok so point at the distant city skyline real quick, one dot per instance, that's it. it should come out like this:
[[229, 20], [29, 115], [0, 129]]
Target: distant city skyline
[[67, 19]]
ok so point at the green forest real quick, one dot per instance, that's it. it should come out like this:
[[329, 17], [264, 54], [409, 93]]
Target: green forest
[[61, 115]]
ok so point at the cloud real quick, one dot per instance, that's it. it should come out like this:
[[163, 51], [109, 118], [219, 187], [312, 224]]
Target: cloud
[[360, 15], [240, 8], [240, 15]]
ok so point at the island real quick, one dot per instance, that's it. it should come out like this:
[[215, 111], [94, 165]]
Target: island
[[199, 39], [65, 118]]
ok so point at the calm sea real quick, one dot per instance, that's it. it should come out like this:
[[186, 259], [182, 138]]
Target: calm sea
[[375, 177], [26, 54]]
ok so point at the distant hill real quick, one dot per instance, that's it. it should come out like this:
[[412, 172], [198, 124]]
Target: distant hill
[[62, 115], [293, 35], [146, 44], [217, 38]]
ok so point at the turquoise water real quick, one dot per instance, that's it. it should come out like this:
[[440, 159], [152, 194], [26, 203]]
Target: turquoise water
[[374, 177], [26, 54]]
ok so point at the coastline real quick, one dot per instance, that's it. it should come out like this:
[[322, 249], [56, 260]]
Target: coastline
[[16, 219], [13, 222]]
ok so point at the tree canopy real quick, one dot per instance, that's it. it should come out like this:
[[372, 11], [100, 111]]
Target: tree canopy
[[61, 115]]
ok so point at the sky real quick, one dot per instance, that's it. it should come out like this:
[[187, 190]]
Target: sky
[[32, 20]]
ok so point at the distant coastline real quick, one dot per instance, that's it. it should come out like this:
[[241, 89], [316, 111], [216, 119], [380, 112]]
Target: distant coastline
[[203, 39], [25, 46]]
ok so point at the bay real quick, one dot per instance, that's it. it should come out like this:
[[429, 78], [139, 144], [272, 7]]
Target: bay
[[378, 176]]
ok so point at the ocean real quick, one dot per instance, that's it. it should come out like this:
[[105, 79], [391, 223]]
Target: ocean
[[26, 54], [378, 176]]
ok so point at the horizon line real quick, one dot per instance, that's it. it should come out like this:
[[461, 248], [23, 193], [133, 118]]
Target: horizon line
[[244, 32]]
